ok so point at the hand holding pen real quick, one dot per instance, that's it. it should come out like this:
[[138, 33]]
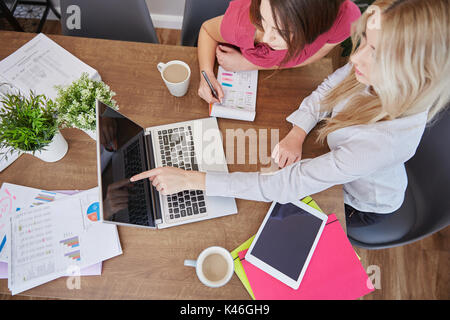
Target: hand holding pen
[[210, 90]]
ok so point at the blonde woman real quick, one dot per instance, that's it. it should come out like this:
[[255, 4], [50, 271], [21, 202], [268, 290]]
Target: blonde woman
[[374, 109]]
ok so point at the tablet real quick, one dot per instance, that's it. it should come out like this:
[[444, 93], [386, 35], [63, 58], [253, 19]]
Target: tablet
[[286, 241]]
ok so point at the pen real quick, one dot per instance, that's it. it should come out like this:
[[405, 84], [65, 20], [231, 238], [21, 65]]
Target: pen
[[214, 92]]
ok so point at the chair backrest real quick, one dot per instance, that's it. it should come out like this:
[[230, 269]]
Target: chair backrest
[[195, 13], [426, 208], [430, 167], [127, 20]]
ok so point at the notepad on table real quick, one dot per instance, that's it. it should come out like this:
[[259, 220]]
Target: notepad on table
[[239, 100]]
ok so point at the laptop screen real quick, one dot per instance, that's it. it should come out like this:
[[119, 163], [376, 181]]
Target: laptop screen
[[122, 155]]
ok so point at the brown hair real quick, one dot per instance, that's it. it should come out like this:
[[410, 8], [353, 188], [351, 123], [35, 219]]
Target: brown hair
[[299, 22]]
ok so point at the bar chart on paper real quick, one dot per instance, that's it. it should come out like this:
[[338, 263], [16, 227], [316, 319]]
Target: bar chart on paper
[[44, 197], [69, 244], [74, 255], [72, 242]]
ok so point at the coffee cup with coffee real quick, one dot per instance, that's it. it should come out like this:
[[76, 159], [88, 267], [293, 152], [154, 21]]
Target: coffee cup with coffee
[[176, 75], [214, 266]]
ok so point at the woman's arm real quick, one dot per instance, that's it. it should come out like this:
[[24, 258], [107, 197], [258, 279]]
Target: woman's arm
[[319, 54], [309, 113], [359, 155], [208, 39], [233, 60]]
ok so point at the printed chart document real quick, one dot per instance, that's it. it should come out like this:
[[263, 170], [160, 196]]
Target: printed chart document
[[48, 240], [13, 198], [39, 65], [239, 100]]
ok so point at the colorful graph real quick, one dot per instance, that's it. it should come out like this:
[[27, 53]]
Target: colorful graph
[[71, 242], [93, 212], [74, 255], [44, 197], [227, 79]]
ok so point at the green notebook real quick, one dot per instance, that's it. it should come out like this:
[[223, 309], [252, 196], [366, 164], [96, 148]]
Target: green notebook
[[239, 270]]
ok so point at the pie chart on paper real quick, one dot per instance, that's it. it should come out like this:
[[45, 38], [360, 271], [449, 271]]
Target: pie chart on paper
[[93, 212]]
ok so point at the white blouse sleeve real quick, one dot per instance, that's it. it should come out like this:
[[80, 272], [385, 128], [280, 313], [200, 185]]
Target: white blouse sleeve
[[359, 156], [309, 114]]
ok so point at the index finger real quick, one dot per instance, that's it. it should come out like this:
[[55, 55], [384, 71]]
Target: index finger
[[219, 91], [145, 174]]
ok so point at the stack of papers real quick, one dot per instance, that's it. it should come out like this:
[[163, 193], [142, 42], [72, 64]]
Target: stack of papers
[[46, 235], [334, 272], [40, 65], [239, 100]]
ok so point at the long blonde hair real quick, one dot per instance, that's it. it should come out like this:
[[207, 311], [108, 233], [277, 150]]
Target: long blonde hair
[[412, 60]]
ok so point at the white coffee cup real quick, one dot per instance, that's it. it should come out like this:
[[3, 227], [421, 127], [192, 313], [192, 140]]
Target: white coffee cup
[[214, 266], [177, 86]]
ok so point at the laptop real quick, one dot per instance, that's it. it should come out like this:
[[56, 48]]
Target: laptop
[[125, 149]]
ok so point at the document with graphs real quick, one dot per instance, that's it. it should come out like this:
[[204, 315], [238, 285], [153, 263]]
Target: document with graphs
[[49, 240]]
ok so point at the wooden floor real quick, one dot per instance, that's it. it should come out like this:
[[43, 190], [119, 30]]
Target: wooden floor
[[416, 271]]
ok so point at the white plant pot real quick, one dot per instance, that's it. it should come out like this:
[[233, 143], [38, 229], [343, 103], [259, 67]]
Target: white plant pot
[[91, 133], [55, 151]]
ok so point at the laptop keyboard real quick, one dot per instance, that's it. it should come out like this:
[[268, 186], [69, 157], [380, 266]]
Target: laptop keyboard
[[137, 209], [177, 150]]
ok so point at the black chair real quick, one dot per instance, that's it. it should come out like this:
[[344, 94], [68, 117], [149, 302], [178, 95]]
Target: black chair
[[8, 12], [426, 208], [195, 13], [127, 20]]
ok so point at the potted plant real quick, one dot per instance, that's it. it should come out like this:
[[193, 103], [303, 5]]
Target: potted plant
[[29, 125], [76, 103]]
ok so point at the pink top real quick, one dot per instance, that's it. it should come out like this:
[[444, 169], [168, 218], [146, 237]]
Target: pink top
[[237, 30]]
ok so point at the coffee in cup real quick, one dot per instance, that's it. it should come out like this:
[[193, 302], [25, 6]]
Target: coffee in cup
[[214, 266], [176, 75]]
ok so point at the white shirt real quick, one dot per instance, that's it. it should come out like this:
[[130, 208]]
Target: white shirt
[[367, 159]]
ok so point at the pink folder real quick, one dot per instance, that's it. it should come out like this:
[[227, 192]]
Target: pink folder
[[334, 272]]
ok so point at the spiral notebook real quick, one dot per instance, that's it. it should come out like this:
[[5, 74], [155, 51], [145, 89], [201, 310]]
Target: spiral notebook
[[239, 100]]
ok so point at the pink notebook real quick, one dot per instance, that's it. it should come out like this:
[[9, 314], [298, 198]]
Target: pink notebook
[[334, 272]]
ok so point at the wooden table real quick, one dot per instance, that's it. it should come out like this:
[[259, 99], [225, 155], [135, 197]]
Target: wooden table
[[151, 266]]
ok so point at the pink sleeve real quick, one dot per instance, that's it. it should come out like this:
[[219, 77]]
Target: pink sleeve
[[229, 20], [232, 23], [341, 30]]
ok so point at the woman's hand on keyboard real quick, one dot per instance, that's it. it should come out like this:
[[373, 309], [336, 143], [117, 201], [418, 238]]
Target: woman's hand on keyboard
[[170, 180]]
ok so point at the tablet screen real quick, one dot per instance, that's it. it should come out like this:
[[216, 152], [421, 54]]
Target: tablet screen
[[287, 238]]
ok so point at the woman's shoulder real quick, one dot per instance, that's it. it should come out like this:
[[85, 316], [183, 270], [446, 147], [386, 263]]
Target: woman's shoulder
[[347, 15], [236, 26]]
